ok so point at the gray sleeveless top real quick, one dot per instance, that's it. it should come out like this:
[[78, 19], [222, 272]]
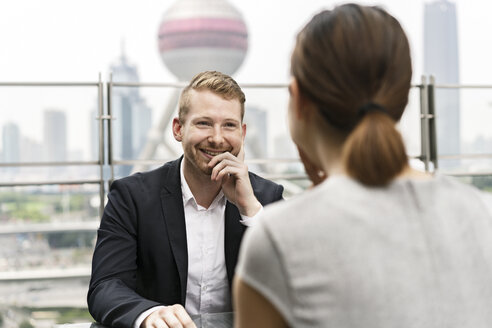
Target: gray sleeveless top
[[413, 254]]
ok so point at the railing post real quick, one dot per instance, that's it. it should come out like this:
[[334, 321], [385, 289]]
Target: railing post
[[110, 127], [431, 122], [424, 127], [100, 105]]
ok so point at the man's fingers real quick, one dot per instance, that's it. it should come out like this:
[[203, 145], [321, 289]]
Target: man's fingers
[[223, 164], [184, 318], [174, 316], [227, 171], [227, 155], [155, 320], [219, 158], [159, 323], [172, 321]]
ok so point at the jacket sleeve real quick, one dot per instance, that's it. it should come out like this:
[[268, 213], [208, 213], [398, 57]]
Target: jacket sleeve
[[266, 191], [279, 192], [112, 296]]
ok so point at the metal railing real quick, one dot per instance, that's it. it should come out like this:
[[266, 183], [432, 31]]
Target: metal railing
[[428, 139], [427, 117], [457, 156], [429, 153], [99, 162]]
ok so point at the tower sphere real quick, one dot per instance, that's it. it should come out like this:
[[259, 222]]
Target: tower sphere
[[199, 35]]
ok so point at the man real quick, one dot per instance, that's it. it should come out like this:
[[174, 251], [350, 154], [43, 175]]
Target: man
[[168, 242]]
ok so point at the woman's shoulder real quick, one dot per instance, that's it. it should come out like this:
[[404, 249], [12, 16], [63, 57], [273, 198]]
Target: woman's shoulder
[[448, 188], [331, 196], [341, 196], [469, 193]]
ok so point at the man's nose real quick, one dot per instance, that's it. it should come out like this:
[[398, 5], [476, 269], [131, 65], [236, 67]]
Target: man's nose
[[216, 136]]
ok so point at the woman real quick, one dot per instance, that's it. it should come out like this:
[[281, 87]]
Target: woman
[[377, 244]]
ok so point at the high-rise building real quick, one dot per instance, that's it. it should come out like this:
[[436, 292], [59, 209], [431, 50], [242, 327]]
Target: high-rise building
[[55, 135], [31, 150], [256, 143], [132, 116], [441, 60], [284, 148], [11, 143], [257, 132]]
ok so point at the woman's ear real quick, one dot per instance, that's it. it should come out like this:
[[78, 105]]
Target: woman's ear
[[294, 97], [300, 104]]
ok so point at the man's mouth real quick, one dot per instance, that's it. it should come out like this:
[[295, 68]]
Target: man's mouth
[[213, 153]]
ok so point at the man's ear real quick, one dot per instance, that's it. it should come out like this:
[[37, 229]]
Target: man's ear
[[244, 130], [177, 129]]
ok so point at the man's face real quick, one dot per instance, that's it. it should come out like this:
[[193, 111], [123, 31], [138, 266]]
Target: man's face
[[212, 126]]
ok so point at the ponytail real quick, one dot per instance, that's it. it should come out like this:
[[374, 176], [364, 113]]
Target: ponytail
[[357, 56], [374, 152]]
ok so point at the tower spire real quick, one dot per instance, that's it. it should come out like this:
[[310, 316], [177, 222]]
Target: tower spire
[[122, 48]]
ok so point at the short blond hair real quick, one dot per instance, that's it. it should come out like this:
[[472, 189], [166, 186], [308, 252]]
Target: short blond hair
[[217, 82]]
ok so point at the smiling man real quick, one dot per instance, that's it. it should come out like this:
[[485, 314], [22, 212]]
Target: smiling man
[[168, 242]]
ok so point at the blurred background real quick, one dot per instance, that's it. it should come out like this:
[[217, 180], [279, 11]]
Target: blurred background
[[88, 91]]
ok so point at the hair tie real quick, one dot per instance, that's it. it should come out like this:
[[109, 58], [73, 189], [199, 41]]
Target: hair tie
[[370, 107]]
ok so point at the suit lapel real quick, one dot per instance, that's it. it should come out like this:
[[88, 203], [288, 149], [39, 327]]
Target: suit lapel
[[172, 208], [233, 233]]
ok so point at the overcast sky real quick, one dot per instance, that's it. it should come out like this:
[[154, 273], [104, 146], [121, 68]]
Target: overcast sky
[[67, 40], [75, 40]]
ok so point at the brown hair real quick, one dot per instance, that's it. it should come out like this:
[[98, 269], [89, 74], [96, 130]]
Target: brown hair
[[345, 59], [219, 83]]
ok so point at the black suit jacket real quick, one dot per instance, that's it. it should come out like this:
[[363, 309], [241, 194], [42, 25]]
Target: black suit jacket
[[141, 258]]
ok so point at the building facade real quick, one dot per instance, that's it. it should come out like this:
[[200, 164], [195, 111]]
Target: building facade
[[441, 59]]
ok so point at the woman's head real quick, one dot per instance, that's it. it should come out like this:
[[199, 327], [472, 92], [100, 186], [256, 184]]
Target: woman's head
[[353, 65]]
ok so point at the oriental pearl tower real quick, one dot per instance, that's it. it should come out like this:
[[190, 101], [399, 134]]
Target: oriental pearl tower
[[199, 35], [195, 36]]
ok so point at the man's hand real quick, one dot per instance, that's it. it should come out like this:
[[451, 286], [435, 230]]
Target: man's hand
[[233, 175], [173, 316]]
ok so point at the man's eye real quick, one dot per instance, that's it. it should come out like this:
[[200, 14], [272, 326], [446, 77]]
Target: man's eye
[[230, 125], [205, 123]]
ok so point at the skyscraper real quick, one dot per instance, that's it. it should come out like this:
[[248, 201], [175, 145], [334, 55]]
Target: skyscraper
[[257, 133], [11, 143], [55, 135], [30, 150], [441, 60], [256, 143], [132, 116]]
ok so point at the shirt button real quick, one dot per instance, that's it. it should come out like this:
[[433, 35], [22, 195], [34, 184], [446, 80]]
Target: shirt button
[[204, 288]]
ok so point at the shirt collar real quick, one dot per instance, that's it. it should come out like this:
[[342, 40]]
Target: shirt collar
[[185, 189], [188, 195]]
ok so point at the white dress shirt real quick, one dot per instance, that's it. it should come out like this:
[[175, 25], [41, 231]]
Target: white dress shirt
[[207, 286]]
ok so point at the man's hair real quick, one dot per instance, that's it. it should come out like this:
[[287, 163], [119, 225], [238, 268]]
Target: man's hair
[[216, 82]]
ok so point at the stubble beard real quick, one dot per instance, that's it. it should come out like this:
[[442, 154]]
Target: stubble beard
[[197, 163]]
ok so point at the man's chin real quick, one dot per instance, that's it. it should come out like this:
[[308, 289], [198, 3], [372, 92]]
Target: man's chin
[[207, 171], [204, 168]]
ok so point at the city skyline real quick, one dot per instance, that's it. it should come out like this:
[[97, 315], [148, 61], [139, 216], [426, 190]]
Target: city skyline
[[263, 63], [17, 147]]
